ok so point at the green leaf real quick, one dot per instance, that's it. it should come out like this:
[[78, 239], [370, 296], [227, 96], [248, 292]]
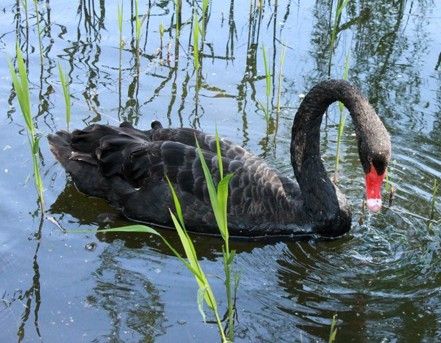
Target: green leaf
[[222, 205], [219, 156], [333, 331], [194, 263], [176, 202], [231, 256], [35, 145], [120, 12], [66, 94], [208, 178], [196, 30], [267, 74]]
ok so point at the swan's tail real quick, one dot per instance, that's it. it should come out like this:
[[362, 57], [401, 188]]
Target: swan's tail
[[60, 145], [81, 166], [84, 170]]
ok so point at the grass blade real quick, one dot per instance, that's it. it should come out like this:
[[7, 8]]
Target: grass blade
[[196, 30], [267, 74], [66, 94], [222, 204], [219, 156], [341, 123], [21, 87], [176, 202], [333, 331]]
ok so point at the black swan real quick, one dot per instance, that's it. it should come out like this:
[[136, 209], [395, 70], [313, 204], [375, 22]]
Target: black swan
[[127, 167]]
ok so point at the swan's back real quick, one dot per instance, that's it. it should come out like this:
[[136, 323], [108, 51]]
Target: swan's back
[[128, 166]]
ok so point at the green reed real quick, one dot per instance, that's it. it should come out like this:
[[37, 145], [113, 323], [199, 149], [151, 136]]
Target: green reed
[[161, 35], [25, 7], [219, 204], [267, 77], [205, 293], [21, 87], [333, 330], [178, 12], [266, 108], [341, 4], [120, 17], [196, 30], [341, 122], [218, 200], [280, 78], [66, 94], [205, 5], [279, 89], [138, 26], [40, 45]]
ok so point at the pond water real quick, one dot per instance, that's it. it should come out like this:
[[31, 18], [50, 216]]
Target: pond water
[[383, 279]]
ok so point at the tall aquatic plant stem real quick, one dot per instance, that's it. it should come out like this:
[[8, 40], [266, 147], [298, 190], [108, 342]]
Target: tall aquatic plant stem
[[341, 4], [192, 263], [205, 291], [341, 122], [219, 204], [266, 108], [120, 16], [279, 89], [25, 7], [218, 199], [205, 5], [280, 78], [333, 330], [178, 12], [66, 94], [196, 30], [40, 45], [267, 78], [21, 87], [161, 35], [137, 27]]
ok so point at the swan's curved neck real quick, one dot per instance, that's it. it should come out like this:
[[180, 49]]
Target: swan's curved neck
[[319, 193]]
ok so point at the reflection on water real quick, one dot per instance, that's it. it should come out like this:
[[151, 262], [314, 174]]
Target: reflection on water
[[383, 280], [131, 301]]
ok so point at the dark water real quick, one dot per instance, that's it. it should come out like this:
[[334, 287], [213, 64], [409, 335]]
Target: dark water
[[383, 279]]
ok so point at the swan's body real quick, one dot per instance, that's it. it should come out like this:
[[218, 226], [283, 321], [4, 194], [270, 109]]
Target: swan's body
[[127, 167]]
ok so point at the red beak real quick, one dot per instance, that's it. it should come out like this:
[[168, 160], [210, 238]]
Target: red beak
[[373, 189]]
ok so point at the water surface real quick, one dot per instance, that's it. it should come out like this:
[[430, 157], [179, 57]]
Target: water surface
[[382, 279]]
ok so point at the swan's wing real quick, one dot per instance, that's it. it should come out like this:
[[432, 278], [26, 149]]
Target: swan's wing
[[88, 139], [145, 164], [207, 142], [255, 188]]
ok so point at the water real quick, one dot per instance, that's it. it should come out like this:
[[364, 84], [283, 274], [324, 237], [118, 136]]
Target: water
[[382, 280]]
